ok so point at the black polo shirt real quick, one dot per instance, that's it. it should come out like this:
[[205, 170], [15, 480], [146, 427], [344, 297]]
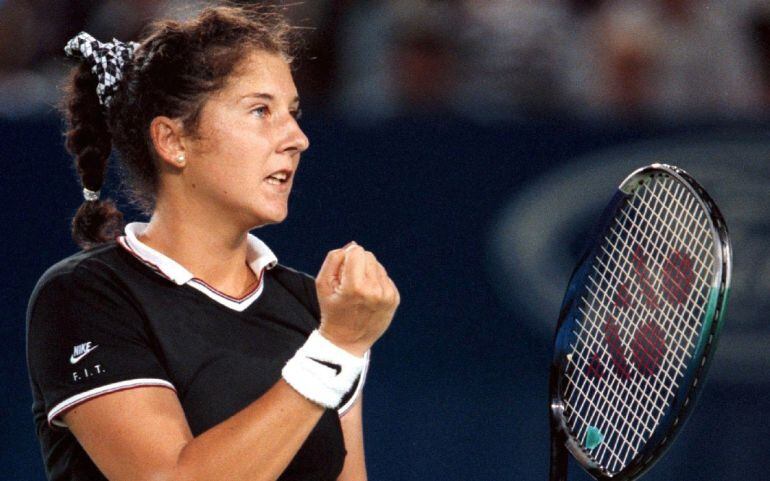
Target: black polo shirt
[[123, 315]]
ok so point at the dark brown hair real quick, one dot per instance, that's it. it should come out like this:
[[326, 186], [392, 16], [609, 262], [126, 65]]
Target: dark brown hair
[[174, 70]]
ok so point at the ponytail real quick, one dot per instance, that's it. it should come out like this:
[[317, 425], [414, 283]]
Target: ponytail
[[88, 139]]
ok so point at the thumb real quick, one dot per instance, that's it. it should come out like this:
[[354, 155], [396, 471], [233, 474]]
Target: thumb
[[329, 276]]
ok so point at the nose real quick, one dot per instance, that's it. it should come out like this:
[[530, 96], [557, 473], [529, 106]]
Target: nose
[[295, 140]]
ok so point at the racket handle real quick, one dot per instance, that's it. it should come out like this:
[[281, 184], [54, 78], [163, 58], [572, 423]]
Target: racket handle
[[558, 456]]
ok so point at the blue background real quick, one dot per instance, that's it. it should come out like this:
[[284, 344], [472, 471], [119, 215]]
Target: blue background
[[458, 385]]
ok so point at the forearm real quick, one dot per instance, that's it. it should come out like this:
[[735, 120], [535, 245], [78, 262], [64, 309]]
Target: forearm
[[352, 428], [256, 444]]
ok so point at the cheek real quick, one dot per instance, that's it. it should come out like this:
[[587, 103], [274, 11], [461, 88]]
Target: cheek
[[247, 133], [233, 159]]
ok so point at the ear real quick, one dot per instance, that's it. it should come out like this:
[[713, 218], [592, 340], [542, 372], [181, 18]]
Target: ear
[[167, 136]]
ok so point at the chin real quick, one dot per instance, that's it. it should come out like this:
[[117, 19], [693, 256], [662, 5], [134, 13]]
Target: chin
[[263, 219], [277, 220], [264, 211]]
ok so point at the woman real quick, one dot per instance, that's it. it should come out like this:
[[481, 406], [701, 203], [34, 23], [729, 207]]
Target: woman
[[183, 351]]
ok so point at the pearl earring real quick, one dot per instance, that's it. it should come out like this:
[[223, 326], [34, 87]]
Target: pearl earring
[[180, 159]]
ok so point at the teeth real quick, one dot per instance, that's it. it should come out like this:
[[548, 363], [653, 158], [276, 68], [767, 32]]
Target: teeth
[[278, 178]]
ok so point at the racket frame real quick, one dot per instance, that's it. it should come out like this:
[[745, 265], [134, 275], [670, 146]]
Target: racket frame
[[692, 383]]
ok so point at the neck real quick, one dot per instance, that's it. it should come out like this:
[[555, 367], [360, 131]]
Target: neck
[[212, 250]]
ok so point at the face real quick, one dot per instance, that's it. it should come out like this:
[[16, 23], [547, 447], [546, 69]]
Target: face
[[243, 160]]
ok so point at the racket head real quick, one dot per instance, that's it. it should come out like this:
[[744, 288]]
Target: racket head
[[617, 397]]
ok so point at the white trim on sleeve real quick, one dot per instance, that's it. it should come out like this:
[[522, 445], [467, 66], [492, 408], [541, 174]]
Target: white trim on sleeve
[[359, 388], [98, 391]]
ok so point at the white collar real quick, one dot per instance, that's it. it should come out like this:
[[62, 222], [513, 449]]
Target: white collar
[[258, 256]]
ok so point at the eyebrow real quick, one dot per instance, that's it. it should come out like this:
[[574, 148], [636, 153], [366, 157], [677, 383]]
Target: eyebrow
[[266, 96]]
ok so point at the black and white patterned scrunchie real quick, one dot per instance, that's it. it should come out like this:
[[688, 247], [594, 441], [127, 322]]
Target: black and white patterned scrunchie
[[107, 61]]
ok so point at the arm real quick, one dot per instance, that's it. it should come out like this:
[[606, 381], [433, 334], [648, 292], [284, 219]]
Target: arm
[[142, 434], [352, 429]]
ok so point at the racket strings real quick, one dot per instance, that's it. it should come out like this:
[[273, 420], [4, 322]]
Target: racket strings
[[635, 431], [653, 303], [647, 397], [643, 306]]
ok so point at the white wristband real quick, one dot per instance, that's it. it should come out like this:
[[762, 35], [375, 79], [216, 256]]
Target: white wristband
[[322, 371]]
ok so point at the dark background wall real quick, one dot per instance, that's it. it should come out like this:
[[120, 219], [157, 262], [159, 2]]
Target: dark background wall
[[479, 225]]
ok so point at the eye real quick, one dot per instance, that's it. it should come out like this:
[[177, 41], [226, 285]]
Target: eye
[[262, 111], [297, 114]]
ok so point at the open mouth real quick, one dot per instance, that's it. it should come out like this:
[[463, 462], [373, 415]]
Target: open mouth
[[278, 178]]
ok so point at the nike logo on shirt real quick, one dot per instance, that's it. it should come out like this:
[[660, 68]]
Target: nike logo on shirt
[[80, 351]]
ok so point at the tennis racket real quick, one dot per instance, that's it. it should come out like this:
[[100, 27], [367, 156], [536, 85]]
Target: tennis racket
[[638, 326]]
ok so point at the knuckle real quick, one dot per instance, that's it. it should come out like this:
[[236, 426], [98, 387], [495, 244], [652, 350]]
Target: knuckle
[[387, 297], [391, 299], [373, 294], [354, 286], [367, 290], [387, 302]]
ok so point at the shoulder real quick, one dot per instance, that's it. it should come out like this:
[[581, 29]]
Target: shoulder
[[299, 284], [93, 267], [292, 276]]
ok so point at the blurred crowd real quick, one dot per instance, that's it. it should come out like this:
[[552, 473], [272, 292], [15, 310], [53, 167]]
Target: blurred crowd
[[484, 59]]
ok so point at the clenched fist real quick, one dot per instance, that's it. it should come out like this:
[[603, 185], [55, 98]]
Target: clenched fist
[[357, 298]]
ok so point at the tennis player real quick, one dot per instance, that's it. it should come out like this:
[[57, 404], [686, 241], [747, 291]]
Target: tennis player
[[180, 349]]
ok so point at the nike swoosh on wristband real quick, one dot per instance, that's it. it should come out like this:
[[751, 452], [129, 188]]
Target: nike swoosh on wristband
[[74, 359], [337, 368]]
